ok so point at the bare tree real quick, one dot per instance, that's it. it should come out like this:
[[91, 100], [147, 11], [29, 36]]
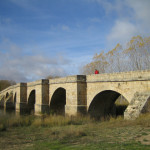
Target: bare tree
[[136, 56]]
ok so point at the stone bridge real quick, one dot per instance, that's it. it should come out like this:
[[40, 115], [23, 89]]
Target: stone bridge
[[81, 94]]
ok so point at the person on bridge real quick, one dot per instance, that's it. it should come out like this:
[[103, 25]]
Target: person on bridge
[[96, 71]]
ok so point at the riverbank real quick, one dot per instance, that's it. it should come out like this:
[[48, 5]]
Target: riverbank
[[56, 132]]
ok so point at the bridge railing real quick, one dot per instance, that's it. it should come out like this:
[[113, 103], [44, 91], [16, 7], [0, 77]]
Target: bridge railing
[[120, 76], [105, 77]]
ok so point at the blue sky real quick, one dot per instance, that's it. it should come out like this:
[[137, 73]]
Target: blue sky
[[57, 37]]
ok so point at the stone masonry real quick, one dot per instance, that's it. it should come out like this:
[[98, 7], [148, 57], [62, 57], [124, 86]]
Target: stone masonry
[[81, 94]]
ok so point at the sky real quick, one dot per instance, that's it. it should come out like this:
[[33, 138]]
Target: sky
[[39, 38]]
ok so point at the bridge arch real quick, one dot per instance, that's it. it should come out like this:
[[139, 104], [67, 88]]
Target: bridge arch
[[10, 106], [2, 102], [7, 94], [31, 102], [103, 104], [15, 98], [58, 102]]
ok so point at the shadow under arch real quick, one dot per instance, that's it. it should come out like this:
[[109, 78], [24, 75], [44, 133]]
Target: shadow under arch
[[2, 106], [146, 107], [15, 97], [14, 100], [7, 94], [31, 102], [9, 103], [103, 105], [2, 102], [58, 102]]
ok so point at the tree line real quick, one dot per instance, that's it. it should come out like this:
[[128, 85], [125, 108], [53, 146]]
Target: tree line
[[6, 83], [135, 56]]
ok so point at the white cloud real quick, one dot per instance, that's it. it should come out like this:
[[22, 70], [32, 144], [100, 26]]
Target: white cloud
[[130, 18], [110, 6], [122, 31], [141, 10], [134, 22], [21, 68]]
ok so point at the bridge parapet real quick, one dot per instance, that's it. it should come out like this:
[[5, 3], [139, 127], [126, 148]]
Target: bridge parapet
[[69, 79], [120, 76], [38, 82], [11, 88]]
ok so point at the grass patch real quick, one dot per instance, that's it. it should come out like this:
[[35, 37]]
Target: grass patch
[[50, 121], [64, 133], [15, 121]]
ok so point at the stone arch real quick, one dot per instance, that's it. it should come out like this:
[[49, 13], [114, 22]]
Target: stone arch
[[121, 104], [103, 104], [10, 107], [2, 102], [15, 98], [31, 102], [7, 94], [58, 102]]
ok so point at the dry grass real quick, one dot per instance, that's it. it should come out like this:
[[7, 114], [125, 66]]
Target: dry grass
[[143, 120], [57, 132], [15, 121], [43, 121], [50, 121]]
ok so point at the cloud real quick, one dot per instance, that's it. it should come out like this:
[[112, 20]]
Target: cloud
[[128, 18], [109, 6], [141, 11], [22, 68], [26, 4], [141, 8], [122, 31], [132, 23]]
